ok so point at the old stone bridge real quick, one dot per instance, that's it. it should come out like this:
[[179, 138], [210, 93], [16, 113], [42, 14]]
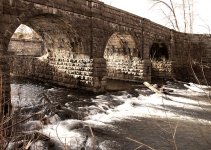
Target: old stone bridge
[[86, 43]]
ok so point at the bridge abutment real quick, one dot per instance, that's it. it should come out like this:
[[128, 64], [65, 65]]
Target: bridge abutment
[[88, 42], [99, 74], [5, 98]]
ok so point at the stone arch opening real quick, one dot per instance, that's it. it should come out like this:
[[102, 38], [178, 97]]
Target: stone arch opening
[[120, 46], [60, 38], [63, 59], [25, 41], [159, 52], [161, 65], [122, 62]]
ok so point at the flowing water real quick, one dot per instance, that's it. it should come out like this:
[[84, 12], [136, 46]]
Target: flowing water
[[126, 120]]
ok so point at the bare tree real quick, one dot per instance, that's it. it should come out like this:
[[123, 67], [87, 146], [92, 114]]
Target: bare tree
[[180, 15], [172, 9]]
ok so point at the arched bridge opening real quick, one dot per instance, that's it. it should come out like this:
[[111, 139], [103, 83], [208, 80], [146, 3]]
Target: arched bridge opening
[[53, 52], [122, 60], [25, 46], [159, 56], [159, 52]]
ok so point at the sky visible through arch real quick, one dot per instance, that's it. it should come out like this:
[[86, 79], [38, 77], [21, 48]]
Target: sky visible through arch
[[202, 12]]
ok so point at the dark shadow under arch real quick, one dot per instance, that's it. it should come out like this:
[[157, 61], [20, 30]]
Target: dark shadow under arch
[[159, 52], [64, 62], [57, 33]]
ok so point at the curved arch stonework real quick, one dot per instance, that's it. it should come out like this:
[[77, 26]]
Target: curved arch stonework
[[60, 38], [160, 60], [122, 61], [76, 33], [159, 52], [66, 60], [25, 41], [120, 46]]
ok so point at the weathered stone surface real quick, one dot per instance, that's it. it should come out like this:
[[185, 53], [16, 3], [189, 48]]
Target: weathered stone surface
[[87, 41], [67, 72], [26, 47]]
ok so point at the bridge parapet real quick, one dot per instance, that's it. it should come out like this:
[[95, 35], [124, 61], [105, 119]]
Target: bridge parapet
[[115, 15], [81, 7], [88, 25]]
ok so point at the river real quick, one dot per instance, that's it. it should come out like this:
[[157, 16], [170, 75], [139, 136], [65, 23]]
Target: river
[[123, 120]]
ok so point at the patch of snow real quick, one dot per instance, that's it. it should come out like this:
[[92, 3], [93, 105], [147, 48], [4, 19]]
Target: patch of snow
[[198, 88], [52, 90], [44, 57]]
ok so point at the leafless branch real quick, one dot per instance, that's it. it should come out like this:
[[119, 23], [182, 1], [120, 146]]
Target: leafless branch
[[171, 7]]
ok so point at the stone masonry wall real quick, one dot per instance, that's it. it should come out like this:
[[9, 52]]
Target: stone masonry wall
[[76, 73], [191, 57], [26, 47], [91, 23], [154, 33], [128, 70], [162, 69]]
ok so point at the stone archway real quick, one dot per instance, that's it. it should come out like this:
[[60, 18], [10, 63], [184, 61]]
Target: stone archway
[[160, 59], [121, 47], [63, 61], [26, 42], [122, 62], [159, 51], [60, 38], [25, 46]]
